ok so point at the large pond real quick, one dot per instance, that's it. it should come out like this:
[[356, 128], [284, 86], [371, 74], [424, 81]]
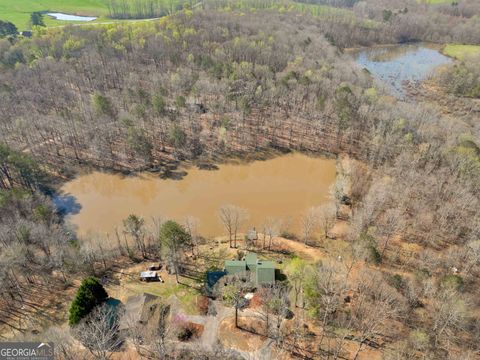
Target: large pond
[[283, 188], [68, 17], [398, 64]]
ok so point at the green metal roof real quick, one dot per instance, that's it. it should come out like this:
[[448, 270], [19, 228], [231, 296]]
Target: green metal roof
[[265, 272], [251, 259], [235, 266]]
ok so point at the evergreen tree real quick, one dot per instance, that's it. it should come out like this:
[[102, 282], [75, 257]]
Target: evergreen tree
[[7, 28], [90, 294], [36, 19]]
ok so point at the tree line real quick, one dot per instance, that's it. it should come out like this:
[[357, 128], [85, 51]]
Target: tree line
[[143, 9]]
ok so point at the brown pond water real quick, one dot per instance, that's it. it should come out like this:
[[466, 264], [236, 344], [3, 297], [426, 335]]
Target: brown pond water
[[283, 187]]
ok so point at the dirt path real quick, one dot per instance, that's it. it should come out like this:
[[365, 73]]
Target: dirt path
[[209, 339], [298, 248]]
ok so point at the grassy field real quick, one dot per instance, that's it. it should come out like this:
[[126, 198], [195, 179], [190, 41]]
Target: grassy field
[[461, 51], [18, 11]]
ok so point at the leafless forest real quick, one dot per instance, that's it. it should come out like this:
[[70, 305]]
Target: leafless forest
[[206, 85]]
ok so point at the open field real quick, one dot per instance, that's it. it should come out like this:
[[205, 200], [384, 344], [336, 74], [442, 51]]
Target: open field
[[18, 11], [460, 52]]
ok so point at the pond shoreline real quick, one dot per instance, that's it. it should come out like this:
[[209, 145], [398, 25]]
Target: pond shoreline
[[282, 187]]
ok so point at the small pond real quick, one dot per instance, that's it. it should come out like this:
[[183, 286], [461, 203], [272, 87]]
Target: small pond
[[399, 64], [67, 17], [284, 188]]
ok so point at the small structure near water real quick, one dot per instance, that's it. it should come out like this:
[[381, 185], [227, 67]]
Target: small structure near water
[[149, 276]]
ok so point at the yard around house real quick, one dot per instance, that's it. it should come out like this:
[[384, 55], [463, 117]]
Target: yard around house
[[126, 283]]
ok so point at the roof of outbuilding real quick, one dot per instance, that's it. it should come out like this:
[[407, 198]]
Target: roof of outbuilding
[[135, 309]]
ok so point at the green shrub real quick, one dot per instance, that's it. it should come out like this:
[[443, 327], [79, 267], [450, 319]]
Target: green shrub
[[396, 281], [419, 339], [374, 256], [453, 282], [90, 294], [288, 235]]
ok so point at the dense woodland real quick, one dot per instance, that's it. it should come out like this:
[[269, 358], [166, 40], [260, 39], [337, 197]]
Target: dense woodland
[[211, 84]]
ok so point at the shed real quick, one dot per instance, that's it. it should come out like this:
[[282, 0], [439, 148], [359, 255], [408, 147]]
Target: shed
[[148, 276]]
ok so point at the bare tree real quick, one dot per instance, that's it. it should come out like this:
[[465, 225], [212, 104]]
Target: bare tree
[[473, 255], [271, 228], [309, 222], [191, 226], [134, 226], [98, 332], [232, 218], [391, 225], [274, 310], [327, 216], [375, 304], [234, 290], [450, 314]]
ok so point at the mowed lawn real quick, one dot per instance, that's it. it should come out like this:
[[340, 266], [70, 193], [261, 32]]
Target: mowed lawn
[[461, 51], [18, 11]]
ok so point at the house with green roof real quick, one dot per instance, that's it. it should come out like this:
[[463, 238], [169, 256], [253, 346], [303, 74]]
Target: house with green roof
[[263, 272]]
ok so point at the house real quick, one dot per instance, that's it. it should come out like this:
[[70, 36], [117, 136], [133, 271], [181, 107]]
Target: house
[[263, 272], [144, 310]]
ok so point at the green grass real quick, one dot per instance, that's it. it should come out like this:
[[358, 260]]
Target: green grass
[[187, 295], [461, 51], [18, 11]]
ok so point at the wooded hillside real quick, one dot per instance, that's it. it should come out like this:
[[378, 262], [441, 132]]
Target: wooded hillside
[[213, 84]]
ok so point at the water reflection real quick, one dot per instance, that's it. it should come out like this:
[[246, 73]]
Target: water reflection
[[284, 187], [66, 204], [395, 65]]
